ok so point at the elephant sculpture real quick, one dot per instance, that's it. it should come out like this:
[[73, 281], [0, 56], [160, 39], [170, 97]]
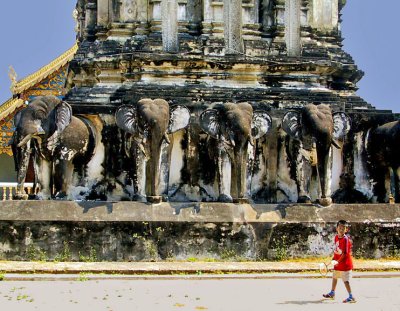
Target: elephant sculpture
[[313, 131], [148, 123], [384, 159], [57, 140], [234, 126]]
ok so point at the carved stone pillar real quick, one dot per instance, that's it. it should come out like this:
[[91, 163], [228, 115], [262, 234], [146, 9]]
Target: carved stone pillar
[[103, 18], [194, 16], [90, 20], [213, 11], [124, 18], [292, 27], [324, 21], [268, 20], [325, 14], [79, 16], [127, 11], [155, 20], [182, 16], [305, 33], [233, 27], [279, 29], [250, 19], [103, 13], [208, 16], [142, 17], [218, 18], [169, 16]]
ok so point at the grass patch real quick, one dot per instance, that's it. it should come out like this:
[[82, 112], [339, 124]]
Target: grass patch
[[82, 277]]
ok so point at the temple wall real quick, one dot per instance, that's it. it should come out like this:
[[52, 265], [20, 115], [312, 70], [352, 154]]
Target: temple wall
[[70, 231]]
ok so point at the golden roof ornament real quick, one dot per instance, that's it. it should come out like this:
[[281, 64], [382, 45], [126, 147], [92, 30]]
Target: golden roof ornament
[[13, 76]]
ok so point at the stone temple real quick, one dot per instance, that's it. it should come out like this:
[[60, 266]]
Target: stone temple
[[275, 55], [230, 101]]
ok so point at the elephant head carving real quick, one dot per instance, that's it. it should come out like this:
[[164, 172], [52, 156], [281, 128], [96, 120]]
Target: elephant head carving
[[150, 122], [316, 128], [46, 127], [234, 126]]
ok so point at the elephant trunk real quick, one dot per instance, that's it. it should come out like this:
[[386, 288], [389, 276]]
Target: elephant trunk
[[324, 172], [153, 169], [239, 173]]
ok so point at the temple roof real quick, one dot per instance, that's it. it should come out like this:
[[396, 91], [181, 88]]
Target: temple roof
[[10, 106], [44, 72], [24, 84], [49, 80]]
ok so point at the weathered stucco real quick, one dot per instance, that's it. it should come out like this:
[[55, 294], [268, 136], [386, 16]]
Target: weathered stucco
[[127, 231]]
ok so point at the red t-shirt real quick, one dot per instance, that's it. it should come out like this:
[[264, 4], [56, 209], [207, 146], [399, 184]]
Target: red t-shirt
[[342, 253]]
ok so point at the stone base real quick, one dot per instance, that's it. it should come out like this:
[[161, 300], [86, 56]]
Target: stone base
[[20, 196], [133, 231], [241, 201], [155, 199]]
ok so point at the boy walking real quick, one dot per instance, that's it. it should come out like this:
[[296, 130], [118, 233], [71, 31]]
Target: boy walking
[[344, 266]]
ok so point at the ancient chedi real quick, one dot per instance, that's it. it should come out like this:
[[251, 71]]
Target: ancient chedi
[[230, 100]]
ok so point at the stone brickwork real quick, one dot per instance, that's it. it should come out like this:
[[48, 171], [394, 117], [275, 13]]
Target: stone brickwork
[[127, 231]]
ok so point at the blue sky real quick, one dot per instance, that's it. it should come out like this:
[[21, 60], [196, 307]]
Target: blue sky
[[36, 32]]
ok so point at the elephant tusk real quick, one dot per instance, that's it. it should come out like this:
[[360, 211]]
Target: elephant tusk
[[336, 144], [39, 139], [225, 143], [310, 156], [167, 138], [140, 143], [141, 147], [232, 139], [25, 140]]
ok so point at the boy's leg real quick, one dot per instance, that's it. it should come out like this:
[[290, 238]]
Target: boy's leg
[[346, 275], [334, 283], [347, 285], [331, 294], [335, 276]]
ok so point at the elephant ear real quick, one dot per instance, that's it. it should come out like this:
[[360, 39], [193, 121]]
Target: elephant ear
[[260, 124], [209, 122], [341, 126], [178, 119], [63, 116], [126, 118], [291, 124]]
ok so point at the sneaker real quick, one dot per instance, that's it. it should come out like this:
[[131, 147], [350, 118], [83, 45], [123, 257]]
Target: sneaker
[[329, 295], [349, 300]]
